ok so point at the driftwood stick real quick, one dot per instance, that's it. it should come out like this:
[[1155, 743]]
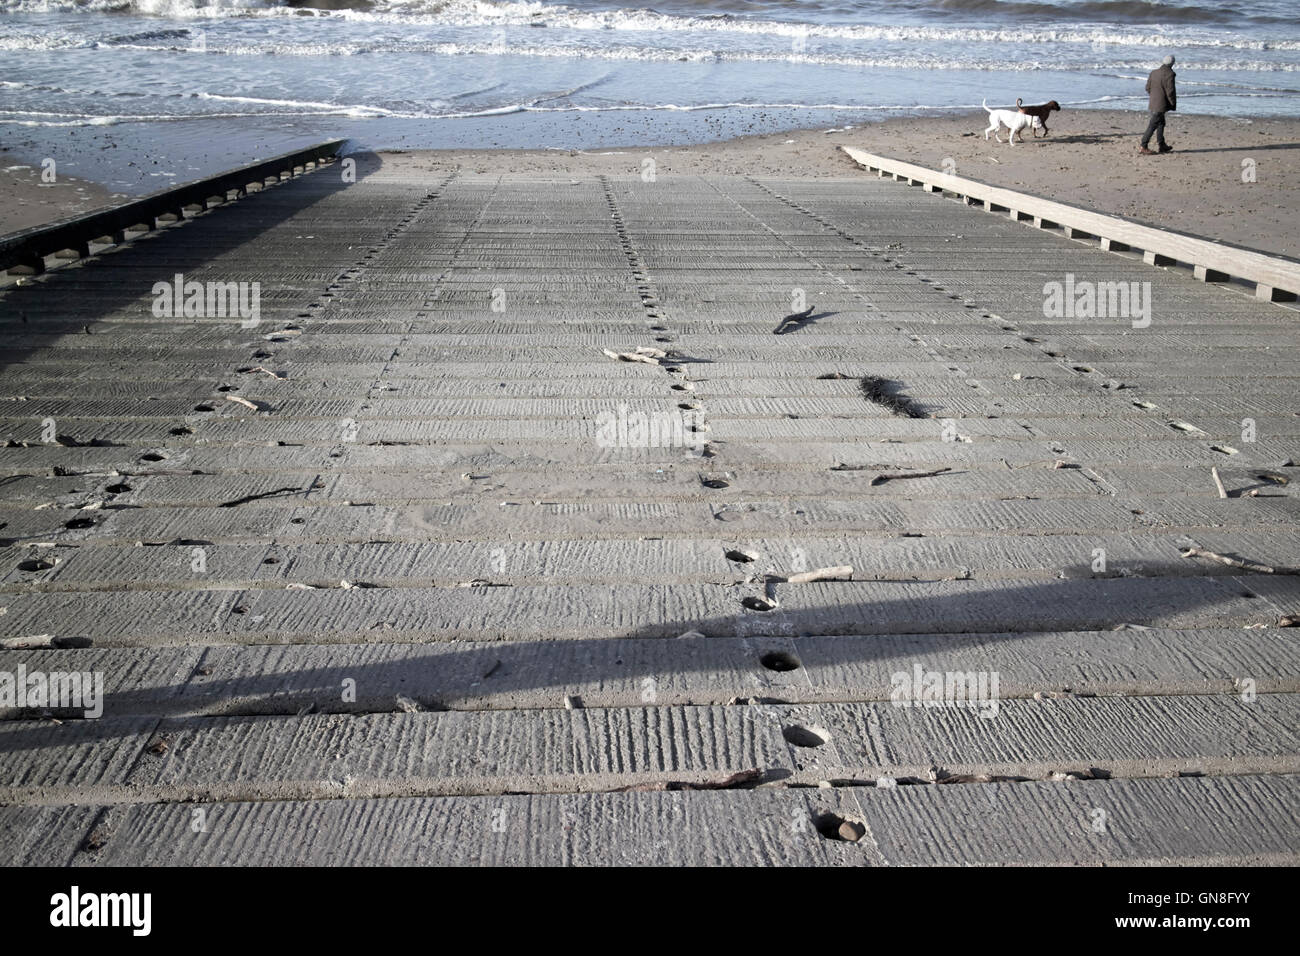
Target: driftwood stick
[[882, 478], [632, 357], [1237, 562], [1218, 482], [841, 572], [257, 497]]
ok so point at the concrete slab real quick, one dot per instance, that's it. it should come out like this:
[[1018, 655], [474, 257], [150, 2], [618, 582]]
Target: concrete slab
[[429, 389]]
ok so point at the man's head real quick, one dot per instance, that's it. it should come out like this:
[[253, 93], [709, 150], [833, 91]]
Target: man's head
[[1168, 61]]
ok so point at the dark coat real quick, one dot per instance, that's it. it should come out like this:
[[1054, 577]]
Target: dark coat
[[1160, 84]]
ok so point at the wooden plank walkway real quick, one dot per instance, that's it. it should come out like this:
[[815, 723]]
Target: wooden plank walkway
[[408, 569], [1274, 278]]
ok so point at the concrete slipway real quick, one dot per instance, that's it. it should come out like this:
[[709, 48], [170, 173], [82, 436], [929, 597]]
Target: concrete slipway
[[409, 607]]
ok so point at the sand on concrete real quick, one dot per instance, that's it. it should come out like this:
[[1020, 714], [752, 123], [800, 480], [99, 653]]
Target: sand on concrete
[[471, 455], [1089, 159]]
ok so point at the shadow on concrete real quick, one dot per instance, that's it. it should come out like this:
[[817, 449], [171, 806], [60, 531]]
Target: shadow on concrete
[[42, 311], [795, 323], [444, 676]]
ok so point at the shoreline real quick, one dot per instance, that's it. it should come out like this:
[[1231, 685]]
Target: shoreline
[[1090, 160]]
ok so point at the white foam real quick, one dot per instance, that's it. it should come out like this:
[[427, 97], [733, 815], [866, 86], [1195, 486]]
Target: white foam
[[480, 13]]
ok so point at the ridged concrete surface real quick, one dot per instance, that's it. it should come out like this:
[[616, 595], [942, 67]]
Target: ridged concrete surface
[[412, 607]]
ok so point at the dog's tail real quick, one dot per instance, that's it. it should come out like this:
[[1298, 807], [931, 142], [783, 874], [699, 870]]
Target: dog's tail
[[986, 105], [1018, 102]]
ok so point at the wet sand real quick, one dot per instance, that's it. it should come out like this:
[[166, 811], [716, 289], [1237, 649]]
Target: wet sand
[[27, 201]]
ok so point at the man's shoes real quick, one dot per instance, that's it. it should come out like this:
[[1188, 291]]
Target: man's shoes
[[1166, 148], [1146, 152]]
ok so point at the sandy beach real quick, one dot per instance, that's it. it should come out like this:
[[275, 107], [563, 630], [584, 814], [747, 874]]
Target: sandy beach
[[1090, 159], [29, 202]]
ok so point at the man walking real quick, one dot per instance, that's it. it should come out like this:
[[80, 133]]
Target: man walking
[[1164, 98]]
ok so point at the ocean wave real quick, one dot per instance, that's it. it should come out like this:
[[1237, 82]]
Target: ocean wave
[[289, 108], [884, 60], [528, 13], [1120, 11]]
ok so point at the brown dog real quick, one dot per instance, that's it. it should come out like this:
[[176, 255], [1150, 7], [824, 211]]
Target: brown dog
[[1040, 114]]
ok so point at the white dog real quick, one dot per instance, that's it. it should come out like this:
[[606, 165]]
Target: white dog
[[1013, 120]]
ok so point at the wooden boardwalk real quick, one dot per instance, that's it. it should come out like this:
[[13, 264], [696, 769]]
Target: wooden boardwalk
[[395, 576]]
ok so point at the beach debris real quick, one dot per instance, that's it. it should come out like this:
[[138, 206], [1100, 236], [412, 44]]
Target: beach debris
[[1218, 482], [793, 321], [689, 635], [897, 476], [1290, 620], [832, 826], [248, 370], [741, 779], [647, 356], [30, 642], [262, 494], [572, 702], [832, 376], [243, 401], [1092, 773], [1273, 477], [755, 603], [841, 572], [1236, 562], [404, 705], [884, 392]]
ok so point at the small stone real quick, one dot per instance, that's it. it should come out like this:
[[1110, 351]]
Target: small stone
[[851, 832]]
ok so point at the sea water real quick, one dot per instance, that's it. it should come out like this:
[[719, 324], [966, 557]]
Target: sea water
[[256, 76]]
